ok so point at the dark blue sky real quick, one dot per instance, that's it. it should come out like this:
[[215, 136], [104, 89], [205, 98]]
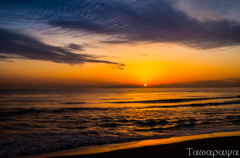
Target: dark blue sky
[[122, 22]]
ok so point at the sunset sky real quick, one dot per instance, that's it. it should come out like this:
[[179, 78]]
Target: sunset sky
[[118, 42]]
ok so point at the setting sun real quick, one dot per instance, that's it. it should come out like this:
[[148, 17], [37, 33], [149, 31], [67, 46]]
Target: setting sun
[[145, 85]]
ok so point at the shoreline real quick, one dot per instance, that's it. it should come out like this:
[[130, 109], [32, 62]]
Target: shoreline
[[167, 147]]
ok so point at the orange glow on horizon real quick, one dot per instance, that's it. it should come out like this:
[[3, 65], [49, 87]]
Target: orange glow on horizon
[[160, 65]]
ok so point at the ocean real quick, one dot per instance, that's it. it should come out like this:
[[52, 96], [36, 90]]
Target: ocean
[[35, 121]]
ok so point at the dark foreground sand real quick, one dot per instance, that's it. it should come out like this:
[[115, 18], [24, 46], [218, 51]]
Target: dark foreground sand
[[177, 150]]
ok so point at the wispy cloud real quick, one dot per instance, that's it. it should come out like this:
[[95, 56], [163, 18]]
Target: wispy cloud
[[132, 21], [17, 45], [210, 10], [75, 46], [205, 83]]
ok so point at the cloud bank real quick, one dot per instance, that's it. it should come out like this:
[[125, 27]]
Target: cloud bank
[[17, 45]]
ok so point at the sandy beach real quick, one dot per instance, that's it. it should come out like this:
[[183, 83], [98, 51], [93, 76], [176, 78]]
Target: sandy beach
[[193, 148], [221, 144]]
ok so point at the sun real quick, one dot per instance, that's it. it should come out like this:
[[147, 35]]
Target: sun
[[145, 85]]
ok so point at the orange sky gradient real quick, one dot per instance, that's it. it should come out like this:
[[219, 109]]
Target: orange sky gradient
[[153, 65], [118, 43]]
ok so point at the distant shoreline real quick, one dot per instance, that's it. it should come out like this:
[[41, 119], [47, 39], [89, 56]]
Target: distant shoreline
[[106, 87]]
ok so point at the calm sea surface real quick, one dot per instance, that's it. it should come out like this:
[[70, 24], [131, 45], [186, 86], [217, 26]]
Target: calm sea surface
[[38, 121]]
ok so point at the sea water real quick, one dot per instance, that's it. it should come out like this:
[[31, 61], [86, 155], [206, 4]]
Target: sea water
[[34, 121]]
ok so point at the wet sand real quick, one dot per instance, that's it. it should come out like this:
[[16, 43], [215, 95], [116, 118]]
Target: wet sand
[[222, 144], [177, 150]]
